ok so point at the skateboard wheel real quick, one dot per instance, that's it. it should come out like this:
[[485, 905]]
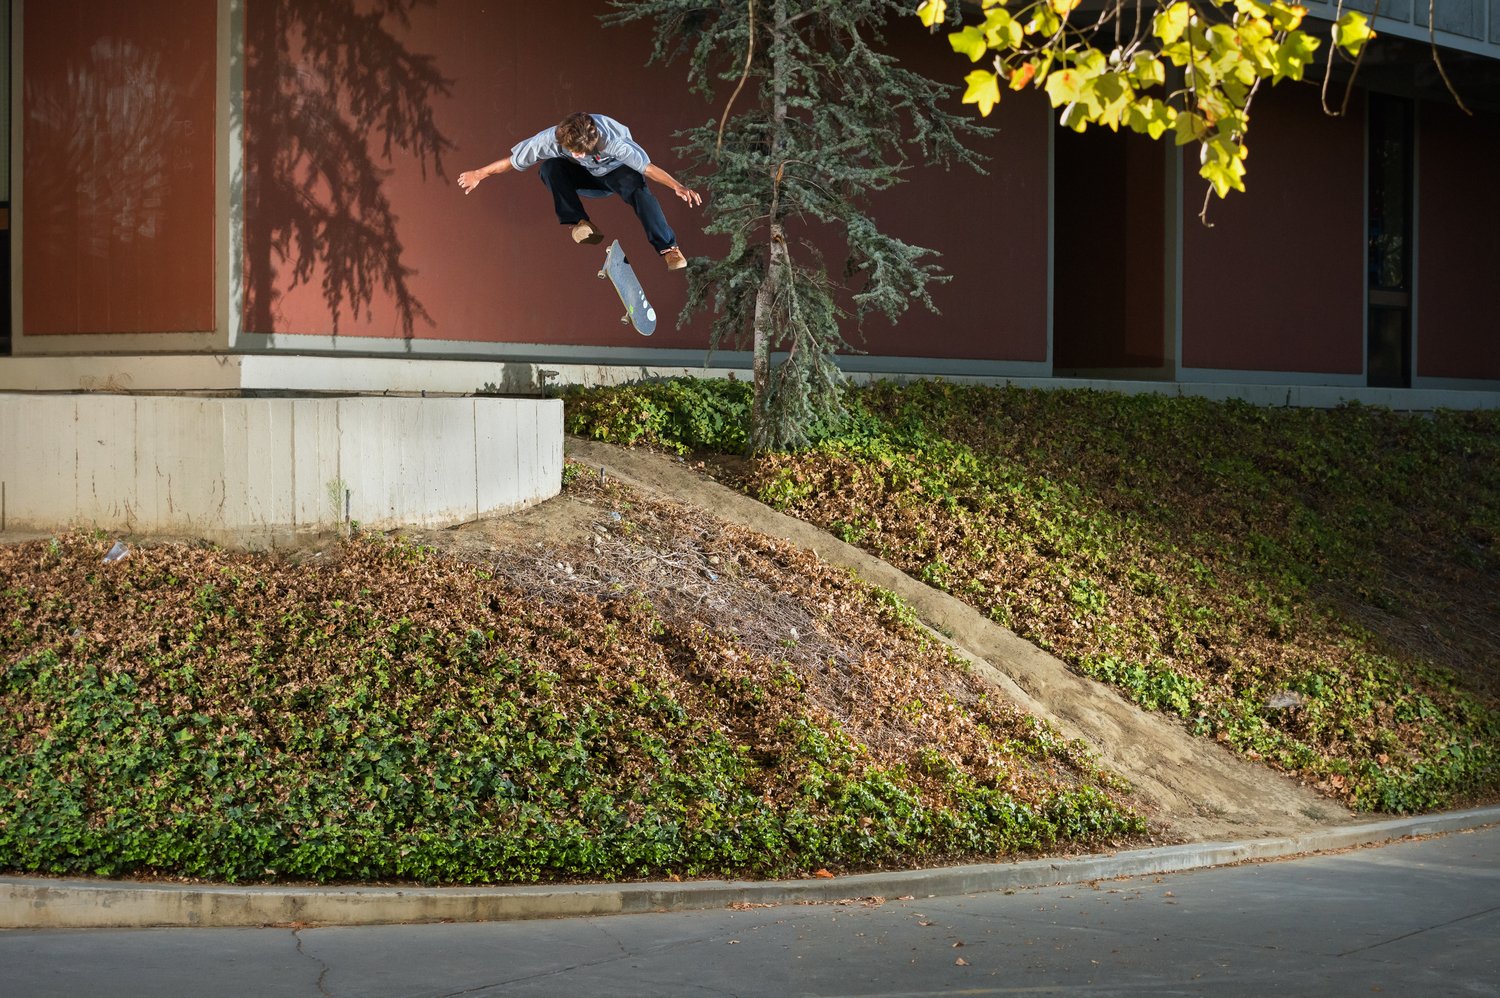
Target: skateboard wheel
[[601, 275], [625, 320]]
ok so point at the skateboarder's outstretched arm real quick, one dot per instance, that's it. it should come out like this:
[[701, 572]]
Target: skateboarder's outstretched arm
[[469, 179], [656, 173]]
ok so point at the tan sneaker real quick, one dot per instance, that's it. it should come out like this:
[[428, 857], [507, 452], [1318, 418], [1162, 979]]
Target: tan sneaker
[[675, 259], [584, 232]]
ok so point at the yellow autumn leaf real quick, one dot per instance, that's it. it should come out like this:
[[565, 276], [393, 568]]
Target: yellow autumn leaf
[[984, 90], [1351, 31], [970, 41], [1023, 75], [1064, 7], [1172, 22], [933, 12]]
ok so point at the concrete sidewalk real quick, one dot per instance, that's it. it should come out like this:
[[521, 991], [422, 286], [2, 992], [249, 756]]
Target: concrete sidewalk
[[37, 902]]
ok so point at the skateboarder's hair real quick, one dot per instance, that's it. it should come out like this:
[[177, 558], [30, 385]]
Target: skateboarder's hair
[[578, 133]]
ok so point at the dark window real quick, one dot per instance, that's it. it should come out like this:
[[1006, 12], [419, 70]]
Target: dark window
[[1109, 237]]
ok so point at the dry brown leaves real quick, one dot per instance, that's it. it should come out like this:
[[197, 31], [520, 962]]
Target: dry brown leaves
[[743, 631], [742, 606]]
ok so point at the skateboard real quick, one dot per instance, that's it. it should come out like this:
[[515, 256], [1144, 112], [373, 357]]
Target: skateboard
[[637, 309]]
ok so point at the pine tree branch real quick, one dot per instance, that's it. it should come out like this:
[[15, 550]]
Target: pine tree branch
[[749, 60]]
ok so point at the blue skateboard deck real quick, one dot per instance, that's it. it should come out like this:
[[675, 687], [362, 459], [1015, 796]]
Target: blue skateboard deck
[[638, 310]]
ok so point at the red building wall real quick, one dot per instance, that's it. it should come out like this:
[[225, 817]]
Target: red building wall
[[1458, 231], [119, 172], [1297, 232], [118, 167], [494, 266]]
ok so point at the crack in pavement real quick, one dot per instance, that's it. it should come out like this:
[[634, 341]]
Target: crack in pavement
[[614, 939], [323, 974], [1418, 932]]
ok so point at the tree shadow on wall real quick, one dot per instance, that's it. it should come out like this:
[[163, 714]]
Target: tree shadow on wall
[[328, 90]]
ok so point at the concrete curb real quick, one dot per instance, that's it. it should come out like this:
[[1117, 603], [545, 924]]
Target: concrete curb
[[42, 903]]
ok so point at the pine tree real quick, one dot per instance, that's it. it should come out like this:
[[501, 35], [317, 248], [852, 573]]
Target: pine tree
[[816, 118]]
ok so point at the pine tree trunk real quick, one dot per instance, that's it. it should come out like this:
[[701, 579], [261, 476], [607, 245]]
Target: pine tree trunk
[[762, 435], [776, 258]]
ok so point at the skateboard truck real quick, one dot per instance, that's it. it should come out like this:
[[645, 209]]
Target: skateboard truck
[[624, 320]]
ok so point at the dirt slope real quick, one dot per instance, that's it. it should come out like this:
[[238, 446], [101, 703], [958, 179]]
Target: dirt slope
[[1198, 790]]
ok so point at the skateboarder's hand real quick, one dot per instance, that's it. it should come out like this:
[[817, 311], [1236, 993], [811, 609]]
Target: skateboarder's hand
[[689, 195], [469, 179]]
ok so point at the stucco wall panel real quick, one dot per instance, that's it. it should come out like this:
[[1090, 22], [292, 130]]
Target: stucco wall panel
[[494, 266], [118, 157], [1458, 334], [1278, 282]]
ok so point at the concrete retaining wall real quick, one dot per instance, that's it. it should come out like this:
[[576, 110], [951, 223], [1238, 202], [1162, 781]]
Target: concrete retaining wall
[[267, 471]]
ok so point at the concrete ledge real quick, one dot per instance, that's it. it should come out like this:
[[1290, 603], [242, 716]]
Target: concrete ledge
[[268, 471], [517, 372], [35, 902]]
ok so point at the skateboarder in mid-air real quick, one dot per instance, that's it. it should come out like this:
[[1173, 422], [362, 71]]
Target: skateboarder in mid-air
[[592, 156]]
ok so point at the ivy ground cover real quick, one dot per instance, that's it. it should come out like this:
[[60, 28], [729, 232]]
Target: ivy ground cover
[[1318, 589], [660, 695]]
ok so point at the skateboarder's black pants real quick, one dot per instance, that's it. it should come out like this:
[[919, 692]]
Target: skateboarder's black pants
[[570, 183]]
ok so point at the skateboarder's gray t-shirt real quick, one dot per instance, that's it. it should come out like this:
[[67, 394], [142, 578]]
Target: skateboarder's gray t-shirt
[[619, 149]]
